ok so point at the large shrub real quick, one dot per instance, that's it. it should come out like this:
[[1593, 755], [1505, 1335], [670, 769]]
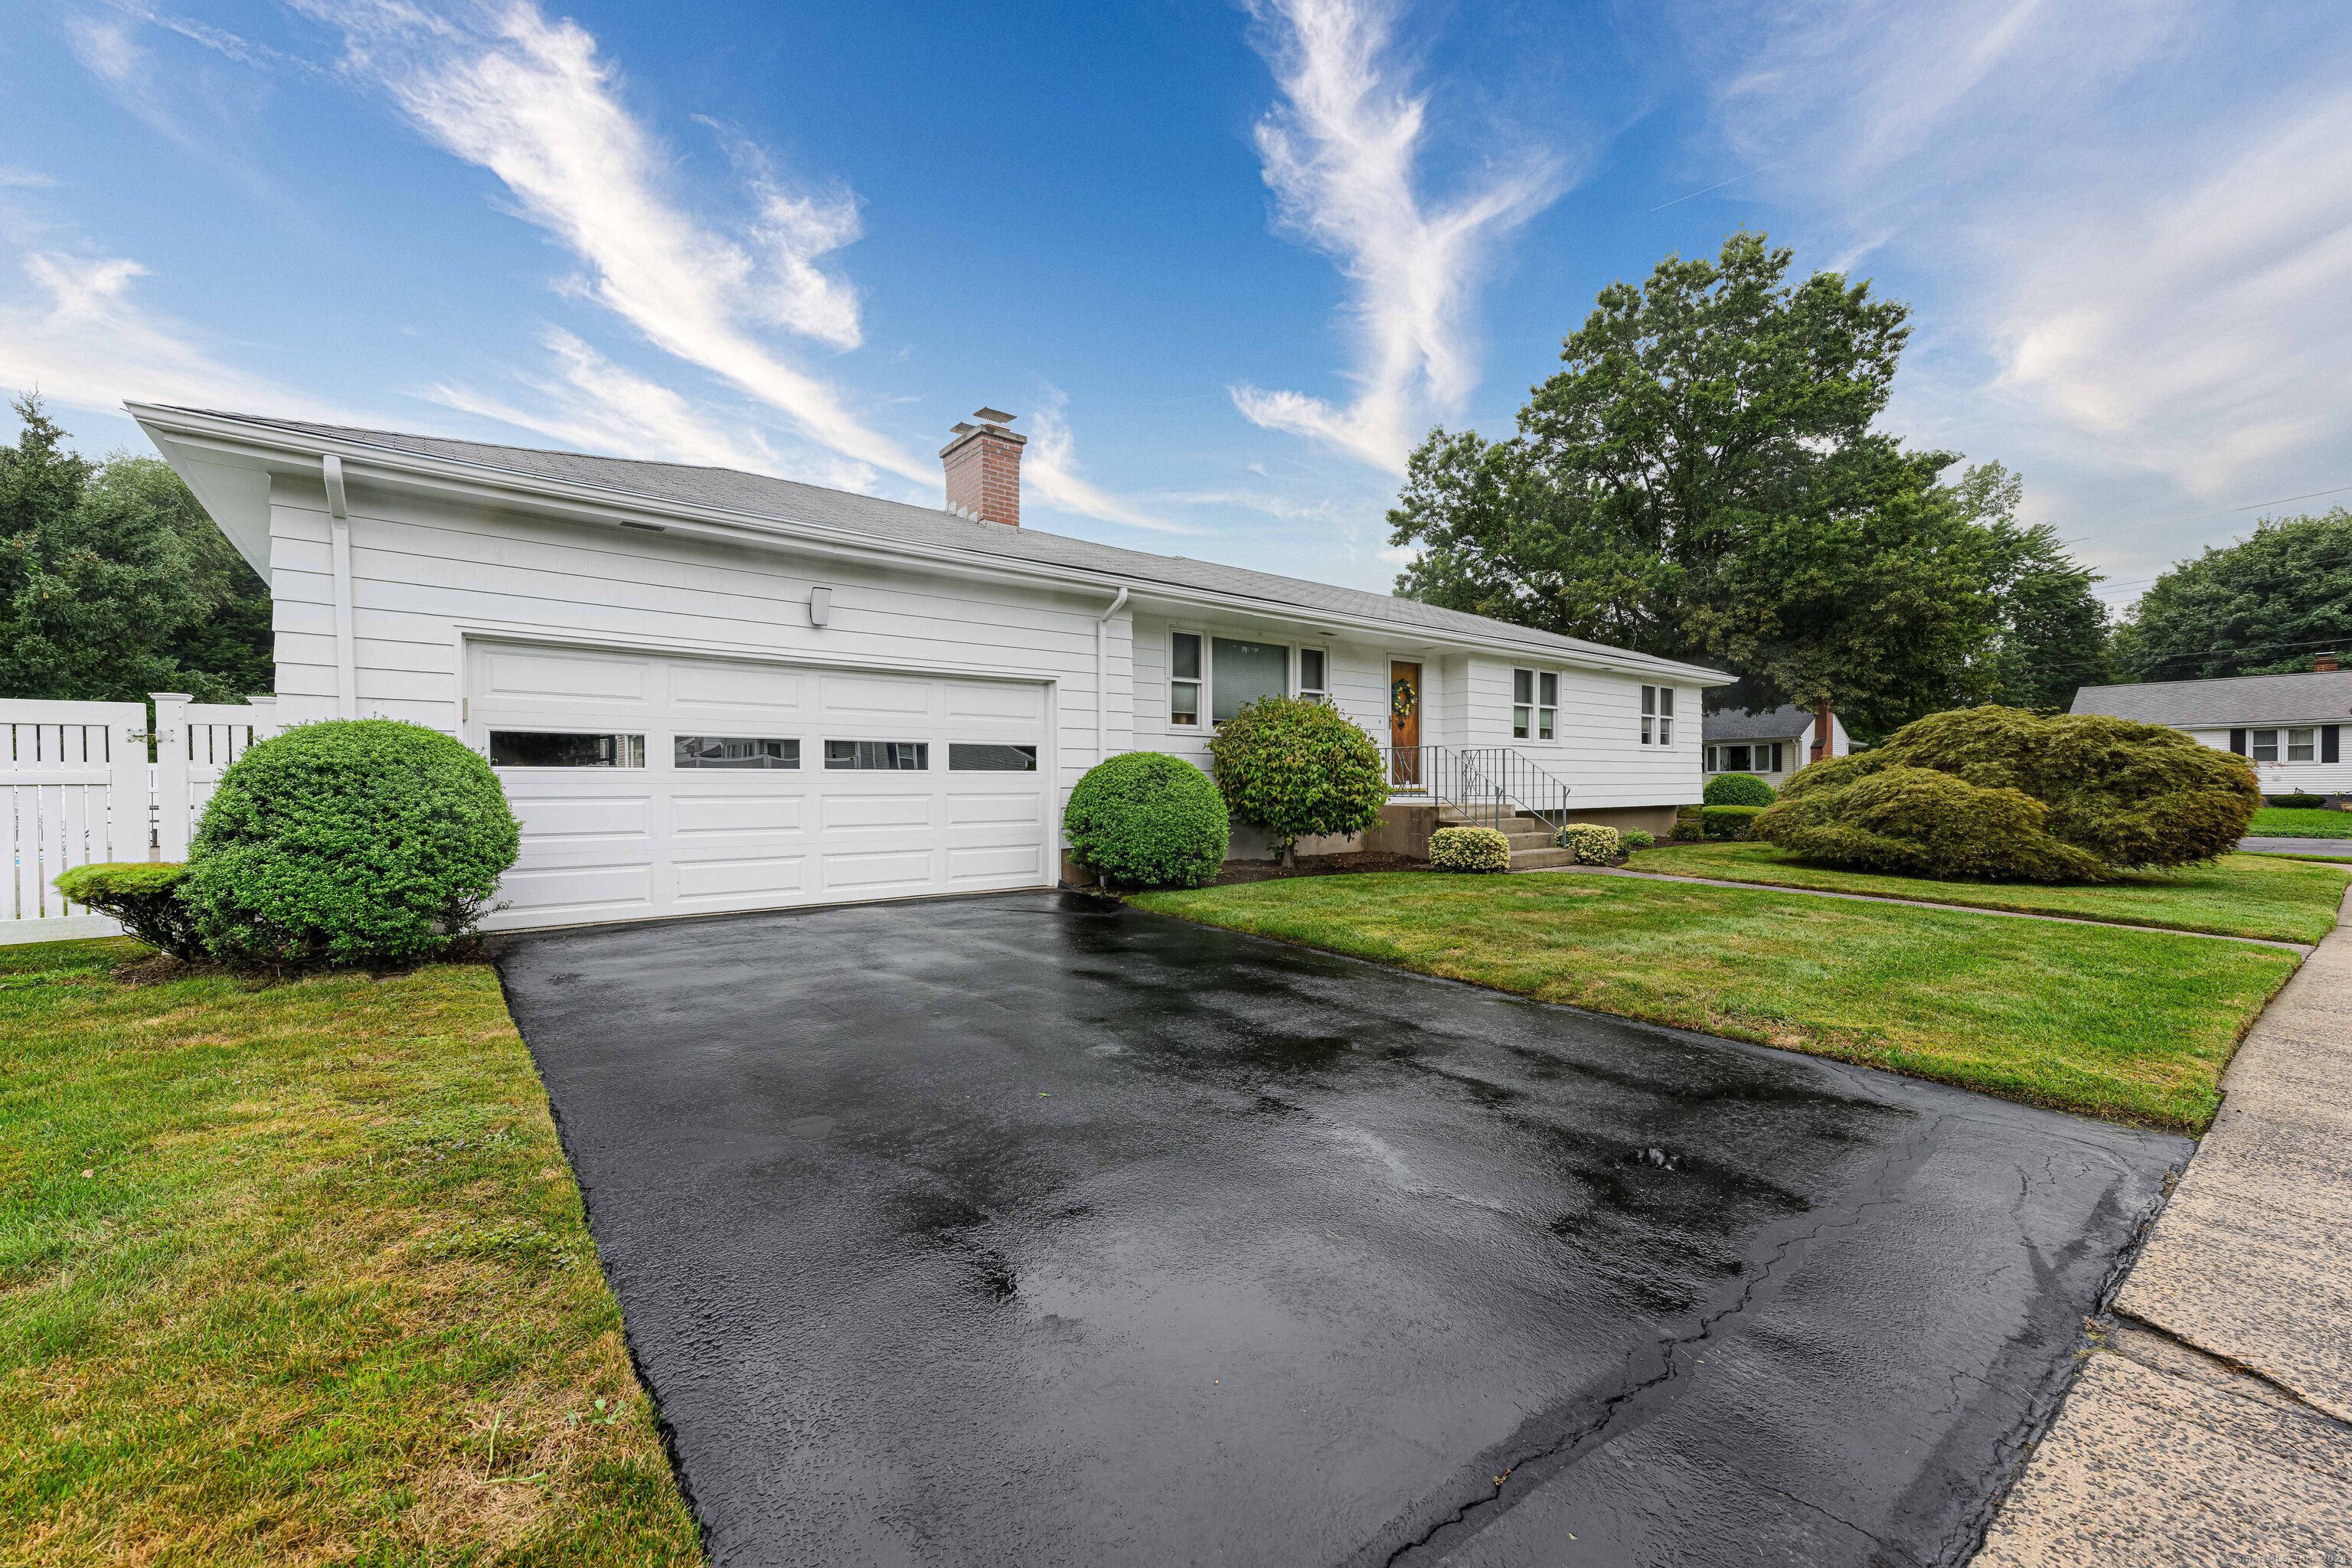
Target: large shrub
[[351, 841], [1148, 819], [1739, 789], [1297, 767], [145, 895], [1469, 849], [2015, 795]]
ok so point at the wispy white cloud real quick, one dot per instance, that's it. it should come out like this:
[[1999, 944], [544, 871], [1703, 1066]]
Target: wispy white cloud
[[1340, 154], [1049, 465], [534, 101], [589, 403], [77, 333], [2202, 333]]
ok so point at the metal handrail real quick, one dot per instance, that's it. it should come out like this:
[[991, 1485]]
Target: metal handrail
[[1487, 784]]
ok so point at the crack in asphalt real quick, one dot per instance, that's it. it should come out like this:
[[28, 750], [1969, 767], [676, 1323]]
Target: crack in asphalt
[[1896, 1164]]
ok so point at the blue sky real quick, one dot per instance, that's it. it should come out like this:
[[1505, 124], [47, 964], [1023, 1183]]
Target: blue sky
[[1228, 261]]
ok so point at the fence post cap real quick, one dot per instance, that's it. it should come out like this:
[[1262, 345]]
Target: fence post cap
[[170, 697]]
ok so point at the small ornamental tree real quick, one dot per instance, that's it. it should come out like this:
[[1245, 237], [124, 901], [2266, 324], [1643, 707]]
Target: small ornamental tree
[[347, 842], [2003, 794], [1297, 767], [1146, 819]]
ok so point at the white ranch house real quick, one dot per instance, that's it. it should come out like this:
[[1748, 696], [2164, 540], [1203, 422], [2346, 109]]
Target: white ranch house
[[1771, 744], [707, 690], [2289, 726]]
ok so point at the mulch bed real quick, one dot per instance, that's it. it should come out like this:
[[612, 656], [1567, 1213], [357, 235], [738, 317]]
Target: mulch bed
[[1316, 866]]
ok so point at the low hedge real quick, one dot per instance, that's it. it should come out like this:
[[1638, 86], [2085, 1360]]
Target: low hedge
[[1146, 819], [145, 895], [1594, 845], [1729, 821], [1469, 849], [1739, 789], [2297, 802], [1685, 830]]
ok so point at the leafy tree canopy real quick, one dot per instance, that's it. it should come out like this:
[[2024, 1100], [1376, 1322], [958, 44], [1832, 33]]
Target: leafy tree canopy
[[114, 582], [2262, 607], [1702, 480]]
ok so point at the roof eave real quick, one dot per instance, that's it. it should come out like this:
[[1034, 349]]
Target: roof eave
[[303, 453]]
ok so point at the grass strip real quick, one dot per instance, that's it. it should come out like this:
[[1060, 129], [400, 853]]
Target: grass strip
[[298, 1273], [2299, 822], [2131, 1025], [2239, 895]]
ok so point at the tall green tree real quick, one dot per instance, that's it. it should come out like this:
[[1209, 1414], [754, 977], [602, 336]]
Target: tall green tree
[[114, 582], [2260, 606], [1703, 479]]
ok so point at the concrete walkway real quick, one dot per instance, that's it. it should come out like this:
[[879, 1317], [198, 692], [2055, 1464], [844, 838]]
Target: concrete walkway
[[2213, 1423], [1911, 903], [2338, 848]]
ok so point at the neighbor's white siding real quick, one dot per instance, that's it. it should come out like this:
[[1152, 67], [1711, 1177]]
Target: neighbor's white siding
[[2293, 778], [426, 576]]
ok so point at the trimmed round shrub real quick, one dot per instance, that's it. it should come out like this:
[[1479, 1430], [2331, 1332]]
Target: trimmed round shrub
[[1594, 845], [1729, 821], [1739, 789], [352, 841], [1146, 819], [2111, 795], [145, 895], [1634, 838], [1685, 832], [1297, 767], [2297, 802], [1469, 849]]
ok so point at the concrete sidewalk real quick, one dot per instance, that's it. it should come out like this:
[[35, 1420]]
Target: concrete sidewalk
[[2213, 1422]]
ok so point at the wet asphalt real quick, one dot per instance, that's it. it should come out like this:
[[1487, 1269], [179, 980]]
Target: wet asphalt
[[1032, 1230]]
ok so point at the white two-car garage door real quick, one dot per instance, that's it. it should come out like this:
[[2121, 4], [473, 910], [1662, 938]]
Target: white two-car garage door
[[656, 786]]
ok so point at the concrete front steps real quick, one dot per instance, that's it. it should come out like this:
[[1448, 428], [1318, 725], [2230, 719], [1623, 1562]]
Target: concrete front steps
[[1532, 845]]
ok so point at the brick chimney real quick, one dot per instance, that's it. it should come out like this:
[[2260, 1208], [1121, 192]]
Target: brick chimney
[[2323, 663], [1824, 731], [983, 465]]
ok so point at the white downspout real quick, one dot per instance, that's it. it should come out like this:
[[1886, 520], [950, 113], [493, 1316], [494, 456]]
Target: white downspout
[[1102, 677], [339, 527]]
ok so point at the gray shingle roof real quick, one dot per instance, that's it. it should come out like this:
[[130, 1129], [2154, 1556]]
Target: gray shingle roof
[[787, 500], [1773, 724], [2235, 701]]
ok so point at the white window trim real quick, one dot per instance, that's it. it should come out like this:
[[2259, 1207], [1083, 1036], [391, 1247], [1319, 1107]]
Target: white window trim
[[1199, 725]]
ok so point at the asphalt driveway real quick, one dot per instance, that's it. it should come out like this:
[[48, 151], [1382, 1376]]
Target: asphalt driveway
[[1032, 1230]]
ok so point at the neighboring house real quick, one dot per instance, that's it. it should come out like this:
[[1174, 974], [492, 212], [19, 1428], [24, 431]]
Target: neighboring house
[[1770, 745], [2290, 726], [713, 690]]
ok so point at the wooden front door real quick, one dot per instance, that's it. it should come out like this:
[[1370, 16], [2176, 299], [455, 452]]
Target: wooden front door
[[1405, 722]]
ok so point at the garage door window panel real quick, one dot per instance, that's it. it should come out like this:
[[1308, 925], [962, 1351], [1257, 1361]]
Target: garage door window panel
[[882, 756], [563, 749], [975, 757], [735, 752]]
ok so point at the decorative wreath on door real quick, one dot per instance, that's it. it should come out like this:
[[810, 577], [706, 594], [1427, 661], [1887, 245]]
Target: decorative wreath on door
[[1403, 697]]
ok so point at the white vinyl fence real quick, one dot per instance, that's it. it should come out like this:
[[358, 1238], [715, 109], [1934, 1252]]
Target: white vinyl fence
[[76, 787]]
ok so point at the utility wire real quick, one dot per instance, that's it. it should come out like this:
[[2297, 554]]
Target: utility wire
[[2231, 511]]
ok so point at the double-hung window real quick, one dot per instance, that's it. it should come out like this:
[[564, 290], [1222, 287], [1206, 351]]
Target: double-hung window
[[2264, 744], [1314, 675], [2299, 745], [1184, 680], [1535, 705], [1657, 715]]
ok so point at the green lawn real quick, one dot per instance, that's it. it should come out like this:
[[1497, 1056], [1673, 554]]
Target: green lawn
[[298, 1273], [2134, 1026], [2242, 895], [2291, 821]]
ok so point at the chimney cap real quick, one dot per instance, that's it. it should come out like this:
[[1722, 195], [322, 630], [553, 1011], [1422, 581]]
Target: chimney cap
[[993, 415], [963, 428]]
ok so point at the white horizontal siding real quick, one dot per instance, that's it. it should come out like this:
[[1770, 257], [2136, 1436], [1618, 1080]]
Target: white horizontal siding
[[425, 576], [2293, 778]]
